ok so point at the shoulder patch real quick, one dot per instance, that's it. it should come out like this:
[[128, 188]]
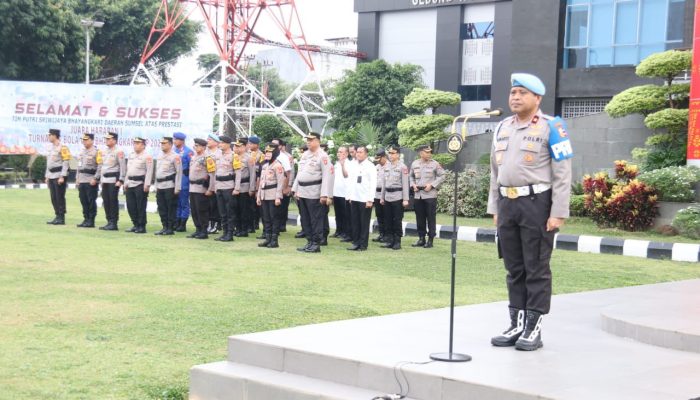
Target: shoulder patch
[[280, 170], [211, 164], [559, 143], [65, 153], [98, 157]]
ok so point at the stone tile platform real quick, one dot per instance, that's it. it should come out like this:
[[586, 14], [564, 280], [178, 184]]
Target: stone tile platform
[[595, 347]]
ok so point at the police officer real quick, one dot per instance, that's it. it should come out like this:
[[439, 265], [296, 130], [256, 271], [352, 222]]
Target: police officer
[[312, 189], [270, 193], [113, 175], [168, 184], [425, 178], [225, 182], [327, 205], [380, 160], [340, 184], [363, 185], [139, 174], [394, 198], [244, 189], [88, 177], [56, 176], [202, 181], [529, 199], [258, 158], [183, 202], [214, 152], [287, 162]]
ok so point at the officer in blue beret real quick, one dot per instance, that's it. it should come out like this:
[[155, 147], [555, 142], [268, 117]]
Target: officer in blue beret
[[529, 199], [183, 203]]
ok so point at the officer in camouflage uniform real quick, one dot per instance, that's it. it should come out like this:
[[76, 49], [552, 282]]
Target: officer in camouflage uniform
[[113, 175], [270, 193], [56, 176], [244, 190], [139, 175], [202, 185], [425, 178], [394, 198], [529, 200], [168, 184], [88, 177]]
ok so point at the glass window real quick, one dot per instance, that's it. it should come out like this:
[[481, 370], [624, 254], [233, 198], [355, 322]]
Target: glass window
[[626, 13], [475, 92], [674, 24], [577, 26]]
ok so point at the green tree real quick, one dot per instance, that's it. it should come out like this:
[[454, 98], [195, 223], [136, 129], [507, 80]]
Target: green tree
[[207, 62], [268, 127], [277, 89], [664, 108], [374, 92]]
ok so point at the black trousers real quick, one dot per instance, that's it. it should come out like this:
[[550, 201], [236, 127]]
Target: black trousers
[[199, 207], [526, 247], [136, 202], [214, 209], [284, 212], [242, 217], [110, 201], [393, 218], [326, 224], [312, 213], [379, 214], [271, 217], [339, 210], [348, 218], [58, 196], [426, 210], [224, 200], [167, 206], [88, 199], [255, 214], [361, 215]]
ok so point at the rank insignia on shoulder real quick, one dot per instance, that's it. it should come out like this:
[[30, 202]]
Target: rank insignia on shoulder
[[211, 165], [559, 144]]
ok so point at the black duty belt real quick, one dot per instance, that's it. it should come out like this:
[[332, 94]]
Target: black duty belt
[[421, 187], [88, 171], [310, 183], [167, 178], [186, 172], [379, 189], [137, 178], [245, 180], [55, 169], [199, 181], [110, 175], [272, 186], [224, 178], [393, 189]]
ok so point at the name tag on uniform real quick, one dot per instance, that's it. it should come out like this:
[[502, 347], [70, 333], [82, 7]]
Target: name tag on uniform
[[359, 179]]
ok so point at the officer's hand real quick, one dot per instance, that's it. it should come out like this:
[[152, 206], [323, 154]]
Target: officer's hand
[[296, 197], [286, 191], [46, 181], [236, 192], [60, 181], [323, 200], [381, 202], [93, 182], [208, 193], [495, 219], [369, 204], [278, 202], [554, 223], [428, 187], [329, 202], [146, 189], [118, 184], [405, 203], [251, 194], [415, 188], [258, 202], [177, 193]]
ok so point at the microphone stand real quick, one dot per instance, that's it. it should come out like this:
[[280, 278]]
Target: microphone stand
[[455, 145]]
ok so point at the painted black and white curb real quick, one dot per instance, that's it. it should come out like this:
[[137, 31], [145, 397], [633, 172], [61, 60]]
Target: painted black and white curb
[[689, 252]]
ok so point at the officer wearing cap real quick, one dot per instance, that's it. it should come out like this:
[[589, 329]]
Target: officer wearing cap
[[225, 183], [87, 177], [529, 200], [312, 188], [425, 178], [183, 201], [214, 152], [380, 161], [202, 181], [168, 184], [258, 158], [139, 175], [244, 189], [394, 198], [269, 196], [287, 162], [113, 175], [56, 176]]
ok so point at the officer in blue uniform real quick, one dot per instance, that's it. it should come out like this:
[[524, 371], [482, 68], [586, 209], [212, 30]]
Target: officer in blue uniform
[[529, 199], [183, 203]]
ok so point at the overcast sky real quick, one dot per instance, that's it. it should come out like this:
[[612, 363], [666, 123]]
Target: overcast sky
[[321, 19]]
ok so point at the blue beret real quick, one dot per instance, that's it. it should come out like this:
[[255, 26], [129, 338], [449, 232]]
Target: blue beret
[[214, 137], [179, 136], [254, 140], [529, 82]]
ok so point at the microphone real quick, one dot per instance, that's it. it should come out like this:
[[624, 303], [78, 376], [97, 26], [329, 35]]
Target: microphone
[[494, 113]]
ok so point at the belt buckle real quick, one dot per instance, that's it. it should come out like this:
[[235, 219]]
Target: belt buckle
[[512, 193]]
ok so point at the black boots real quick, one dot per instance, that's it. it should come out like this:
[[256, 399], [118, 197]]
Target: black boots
[[306, 246], [388, 241], [531, 339], [87, 223], [512, 334], [226, 237], [273, 242], [268, 239], [181, 225], [111, 226], [380, 238], [299, 235], [429, 243], [397, 243], [420, 242]]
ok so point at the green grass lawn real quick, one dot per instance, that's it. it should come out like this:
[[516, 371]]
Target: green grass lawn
[[87, 314]]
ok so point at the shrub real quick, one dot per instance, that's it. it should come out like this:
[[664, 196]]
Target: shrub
[[577, 205], [623, 202], [674, 184], [472, 192], [687, 222]]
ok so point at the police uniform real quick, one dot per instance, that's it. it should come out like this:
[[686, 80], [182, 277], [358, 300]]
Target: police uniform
[[314, 180], [362, 188], [89, 171], [394, 194], [183, 202], [139, 175], [270, 190], [422, 174], [113, 171], [57, 168], [214, 216], [378, 209], [168, 184], [225, 183], [259, 159], [244, 190], [202, 181], [529, 184]]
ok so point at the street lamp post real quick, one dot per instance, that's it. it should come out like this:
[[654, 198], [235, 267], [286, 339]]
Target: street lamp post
[[88, 23]]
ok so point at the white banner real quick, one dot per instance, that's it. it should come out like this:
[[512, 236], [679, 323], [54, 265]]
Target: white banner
[[29, 109]]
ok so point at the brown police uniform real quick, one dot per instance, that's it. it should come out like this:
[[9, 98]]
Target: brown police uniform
[[271, 186], [88, 170], [202, 180], [245, 171], [57, 167], [394, 193], [314, 180], [421, 174], [139, 175], [113, 171], [168, 181], [225, 182]]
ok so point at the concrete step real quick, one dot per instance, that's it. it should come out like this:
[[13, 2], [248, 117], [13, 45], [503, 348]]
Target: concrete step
[[233, 381]]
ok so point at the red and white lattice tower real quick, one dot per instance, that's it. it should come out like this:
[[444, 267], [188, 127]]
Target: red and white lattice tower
[[231, 24]]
